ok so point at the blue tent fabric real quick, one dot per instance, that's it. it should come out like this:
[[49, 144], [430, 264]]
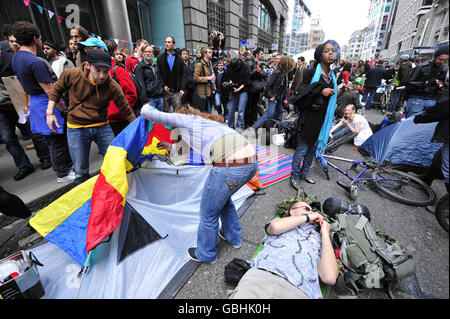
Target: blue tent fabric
[[403, 143]]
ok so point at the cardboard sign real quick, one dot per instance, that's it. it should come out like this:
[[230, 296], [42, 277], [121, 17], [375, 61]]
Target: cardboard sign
[[15, 90]]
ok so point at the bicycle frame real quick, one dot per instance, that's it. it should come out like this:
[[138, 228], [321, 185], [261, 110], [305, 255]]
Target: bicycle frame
[[323, 159]]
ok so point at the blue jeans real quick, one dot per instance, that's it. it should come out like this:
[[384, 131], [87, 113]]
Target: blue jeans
[[239, 100], [416, 105], [305, 153], [157, 102], [274, 111], [445, 161], [395, 103], [80, 140], [341, 131], [216, 203], [369, 93]]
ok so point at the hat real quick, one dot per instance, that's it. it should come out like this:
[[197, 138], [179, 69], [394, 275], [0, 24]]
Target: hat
[[359, 81], [51, 45], [94, 42], [404, 57], [99, 58], [441, 49]]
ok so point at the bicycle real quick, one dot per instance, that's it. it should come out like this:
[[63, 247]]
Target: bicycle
[[441, 211], [395, 184], [384, 91]]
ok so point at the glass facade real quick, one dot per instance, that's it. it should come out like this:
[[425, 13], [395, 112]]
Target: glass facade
[[90, 14]]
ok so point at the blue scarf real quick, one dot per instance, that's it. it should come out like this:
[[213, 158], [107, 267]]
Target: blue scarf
[[324, 134]]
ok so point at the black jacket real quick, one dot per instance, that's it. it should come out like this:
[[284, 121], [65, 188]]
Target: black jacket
[[311, 106], [172, 79], [276, 86], [437, 113], [150, 79], [404, 73], [426, 71], [375, 75], [238, 76]]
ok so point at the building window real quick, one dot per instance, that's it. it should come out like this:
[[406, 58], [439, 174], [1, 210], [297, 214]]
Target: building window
[[265, 19], [216, 15]]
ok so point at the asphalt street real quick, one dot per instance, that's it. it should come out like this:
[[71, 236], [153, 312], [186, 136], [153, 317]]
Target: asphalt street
[[414, 227]]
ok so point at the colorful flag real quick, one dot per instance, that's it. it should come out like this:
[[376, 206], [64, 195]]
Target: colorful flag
[[82, 218]]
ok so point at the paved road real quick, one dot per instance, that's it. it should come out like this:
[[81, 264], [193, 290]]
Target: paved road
[[415, 228]]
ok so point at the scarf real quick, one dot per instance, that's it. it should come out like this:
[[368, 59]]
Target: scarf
[[324, 134]]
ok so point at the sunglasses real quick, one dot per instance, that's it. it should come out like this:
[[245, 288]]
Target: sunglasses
[[308, 209]]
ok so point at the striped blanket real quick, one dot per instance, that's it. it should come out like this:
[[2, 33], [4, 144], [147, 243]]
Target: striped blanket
[[273, 167]]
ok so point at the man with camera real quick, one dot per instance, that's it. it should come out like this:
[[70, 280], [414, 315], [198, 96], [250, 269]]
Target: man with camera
[[426, 82]]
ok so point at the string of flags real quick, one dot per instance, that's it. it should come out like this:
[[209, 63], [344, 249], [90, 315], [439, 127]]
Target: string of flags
[[123, 42]]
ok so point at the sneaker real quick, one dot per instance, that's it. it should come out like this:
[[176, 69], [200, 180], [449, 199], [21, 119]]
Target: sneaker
[[222, 235], [65, 179], [191, 254], [72, 174]]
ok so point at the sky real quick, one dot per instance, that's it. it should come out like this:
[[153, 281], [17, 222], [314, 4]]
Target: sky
[[340, 18]]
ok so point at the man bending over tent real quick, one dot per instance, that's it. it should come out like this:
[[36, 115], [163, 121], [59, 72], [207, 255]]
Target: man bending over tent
[[234, 164]]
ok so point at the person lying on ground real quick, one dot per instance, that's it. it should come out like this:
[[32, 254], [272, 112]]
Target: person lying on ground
[[293, 259]]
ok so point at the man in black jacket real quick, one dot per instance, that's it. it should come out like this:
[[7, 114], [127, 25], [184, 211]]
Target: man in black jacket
[[426, 82], [438, 113], [373, 81], [171, 67], [236, 80]]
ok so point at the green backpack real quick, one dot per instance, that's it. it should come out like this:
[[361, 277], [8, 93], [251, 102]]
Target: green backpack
[[370, 259]]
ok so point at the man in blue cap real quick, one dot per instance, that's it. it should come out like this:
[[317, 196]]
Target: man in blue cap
[[93, 43]]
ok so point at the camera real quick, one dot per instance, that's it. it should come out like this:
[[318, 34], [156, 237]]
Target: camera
[[229, 85]]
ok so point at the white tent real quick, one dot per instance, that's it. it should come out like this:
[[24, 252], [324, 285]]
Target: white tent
[[146, 255]]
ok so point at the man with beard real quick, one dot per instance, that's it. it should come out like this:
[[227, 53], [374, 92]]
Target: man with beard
[[58, 62]]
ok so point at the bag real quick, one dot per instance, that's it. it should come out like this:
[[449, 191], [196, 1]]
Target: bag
[[235, 270], [140, 101], [257, 87], [370, 259], [199, 102], [20, 277]]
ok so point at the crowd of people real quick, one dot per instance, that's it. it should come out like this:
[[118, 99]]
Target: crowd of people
[[92, 90]]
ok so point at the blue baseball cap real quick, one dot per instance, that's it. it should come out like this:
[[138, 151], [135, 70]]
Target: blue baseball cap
[[94, 42]]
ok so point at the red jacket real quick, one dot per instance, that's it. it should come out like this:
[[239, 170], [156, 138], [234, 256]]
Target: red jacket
[[128, 88], [130, 63]]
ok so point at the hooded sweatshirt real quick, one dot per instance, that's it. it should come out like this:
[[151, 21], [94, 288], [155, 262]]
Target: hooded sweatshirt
[[92, 99]]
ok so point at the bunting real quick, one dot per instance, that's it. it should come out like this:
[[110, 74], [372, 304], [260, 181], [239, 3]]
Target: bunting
[[124, 42]]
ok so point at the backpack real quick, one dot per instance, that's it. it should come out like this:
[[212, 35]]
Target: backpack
[[140, 101], [235, 270], [370, 259]]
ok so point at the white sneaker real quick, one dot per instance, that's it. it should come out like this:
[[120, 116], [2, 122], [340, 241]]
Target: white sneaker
[[65, 179], [72, 173]]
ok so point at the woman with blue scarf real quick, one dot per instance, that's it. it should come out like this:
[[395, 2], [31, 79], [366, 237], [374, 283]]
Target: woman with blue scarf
[[316, 104]]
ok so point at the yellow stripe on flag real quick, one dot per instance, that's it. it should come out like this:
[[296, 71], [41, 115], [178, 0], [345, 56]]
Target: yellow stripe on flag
[[45, 221], [153, 148], [115, 167]]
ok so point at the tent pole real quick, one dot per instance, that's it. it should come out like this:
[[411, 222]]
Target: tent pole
[[83, 273]]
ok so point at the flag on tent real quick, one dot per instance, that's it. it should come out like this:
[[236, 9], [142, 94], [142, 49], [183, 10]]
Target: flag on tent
[[80, 219]]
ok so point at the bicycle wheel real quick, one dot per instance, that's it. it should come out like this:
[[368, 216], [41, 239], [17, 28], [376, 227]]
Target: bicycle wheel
[[403, 187], [442, 212]]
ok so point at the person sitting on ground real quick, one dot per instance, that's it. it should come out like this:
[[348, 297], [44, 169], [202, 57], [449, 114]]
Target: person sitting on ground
[[350, 96], [293, 259], [352, 123]]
